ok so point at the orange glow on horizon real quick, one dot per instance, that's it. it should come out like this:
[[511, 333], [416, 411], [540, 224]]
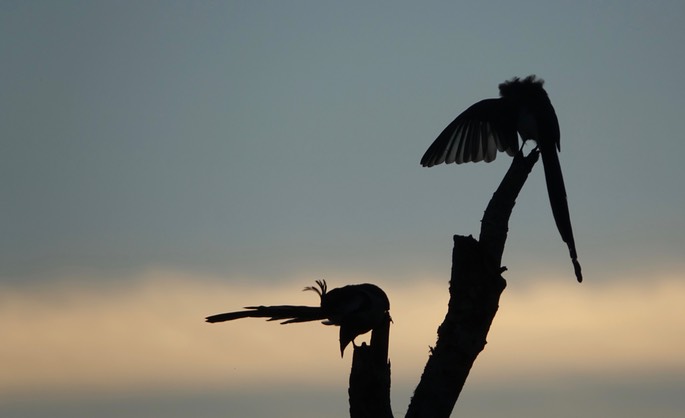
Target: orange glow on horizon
[[148, 332]]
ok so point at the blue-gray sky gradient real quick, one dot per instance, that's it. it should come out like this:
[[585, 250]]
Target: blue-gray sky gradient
[[270, 141]]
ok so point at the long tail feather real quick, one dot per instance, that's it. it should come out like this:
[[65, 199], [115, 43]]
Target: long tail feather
[[557, 199]]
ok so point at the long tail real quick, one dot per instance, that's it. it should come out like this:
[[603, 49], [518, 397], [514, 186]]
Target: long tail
[[274, 313], [557, 199]]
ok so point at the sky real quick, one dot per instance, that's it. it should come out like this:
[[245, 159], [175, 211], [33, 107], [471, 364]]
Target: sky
[[163, 161]]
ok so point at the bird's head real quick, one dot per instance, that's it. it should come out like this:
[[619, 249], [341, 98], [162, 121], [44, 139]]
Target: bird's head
[[347, 335]]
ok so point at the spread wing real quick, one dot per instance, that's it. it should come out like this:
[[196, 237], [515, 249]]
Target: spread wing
[[476, 134]]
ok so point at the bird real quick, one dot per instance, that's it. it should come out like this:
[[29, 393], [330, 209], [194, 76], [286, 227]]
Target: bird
[[356, 309], [493, 125]]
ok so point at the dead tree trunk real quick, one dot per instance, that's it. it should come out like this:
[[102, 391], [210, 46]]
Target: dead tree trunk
[[475, 287], [370, 377]]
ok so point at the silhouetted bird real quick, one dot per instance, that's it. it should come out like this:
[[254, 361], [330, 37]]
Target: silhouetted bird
[[491, 125], [356, 309]]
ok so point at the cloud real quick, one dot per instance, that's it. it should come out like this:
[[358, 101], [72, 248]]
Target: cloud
[[147, 332], [560, 328]]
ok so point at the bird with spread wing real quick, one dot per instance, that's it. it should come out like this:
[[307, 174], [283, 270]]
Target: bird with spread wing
[[493, 125]]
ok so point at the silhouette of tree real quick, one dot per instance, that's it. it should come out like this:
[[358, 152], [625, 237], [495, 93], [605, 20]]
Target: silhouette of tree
[[475, 287], [476, 284]]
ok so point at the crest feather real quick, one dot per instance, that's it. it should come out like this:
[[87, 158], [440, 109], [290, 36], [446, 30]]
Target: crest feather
[[518, 87]]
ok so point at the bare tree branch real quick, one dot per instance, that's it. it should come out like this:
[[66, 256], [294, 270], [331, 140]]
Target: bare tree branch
[[475, 287], [370, 376]]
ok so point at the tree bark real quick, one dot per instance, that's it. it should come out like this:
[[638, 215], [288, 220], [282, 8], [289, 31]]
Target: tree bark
[[369, 390], [475, 287]]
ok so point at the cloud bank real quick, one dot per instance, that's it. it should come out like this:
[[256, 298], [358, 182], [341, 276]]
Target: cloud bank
[[147, 333]]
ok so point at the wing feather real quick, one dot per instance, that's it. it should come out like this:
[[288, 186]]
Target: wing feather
[[476, 135]]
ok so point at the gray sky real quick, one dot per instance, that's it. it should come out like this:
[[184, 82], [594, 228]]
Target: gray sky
[[262, 143]]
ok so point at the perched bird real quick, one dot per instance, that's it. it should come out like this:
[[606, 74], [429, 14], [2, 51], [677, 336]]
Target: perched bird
[[492, 125], [356, 309]]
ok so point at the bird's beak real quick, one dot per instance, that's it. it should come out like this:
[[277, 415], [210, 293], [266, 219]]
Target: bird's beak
[[345, 340]]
